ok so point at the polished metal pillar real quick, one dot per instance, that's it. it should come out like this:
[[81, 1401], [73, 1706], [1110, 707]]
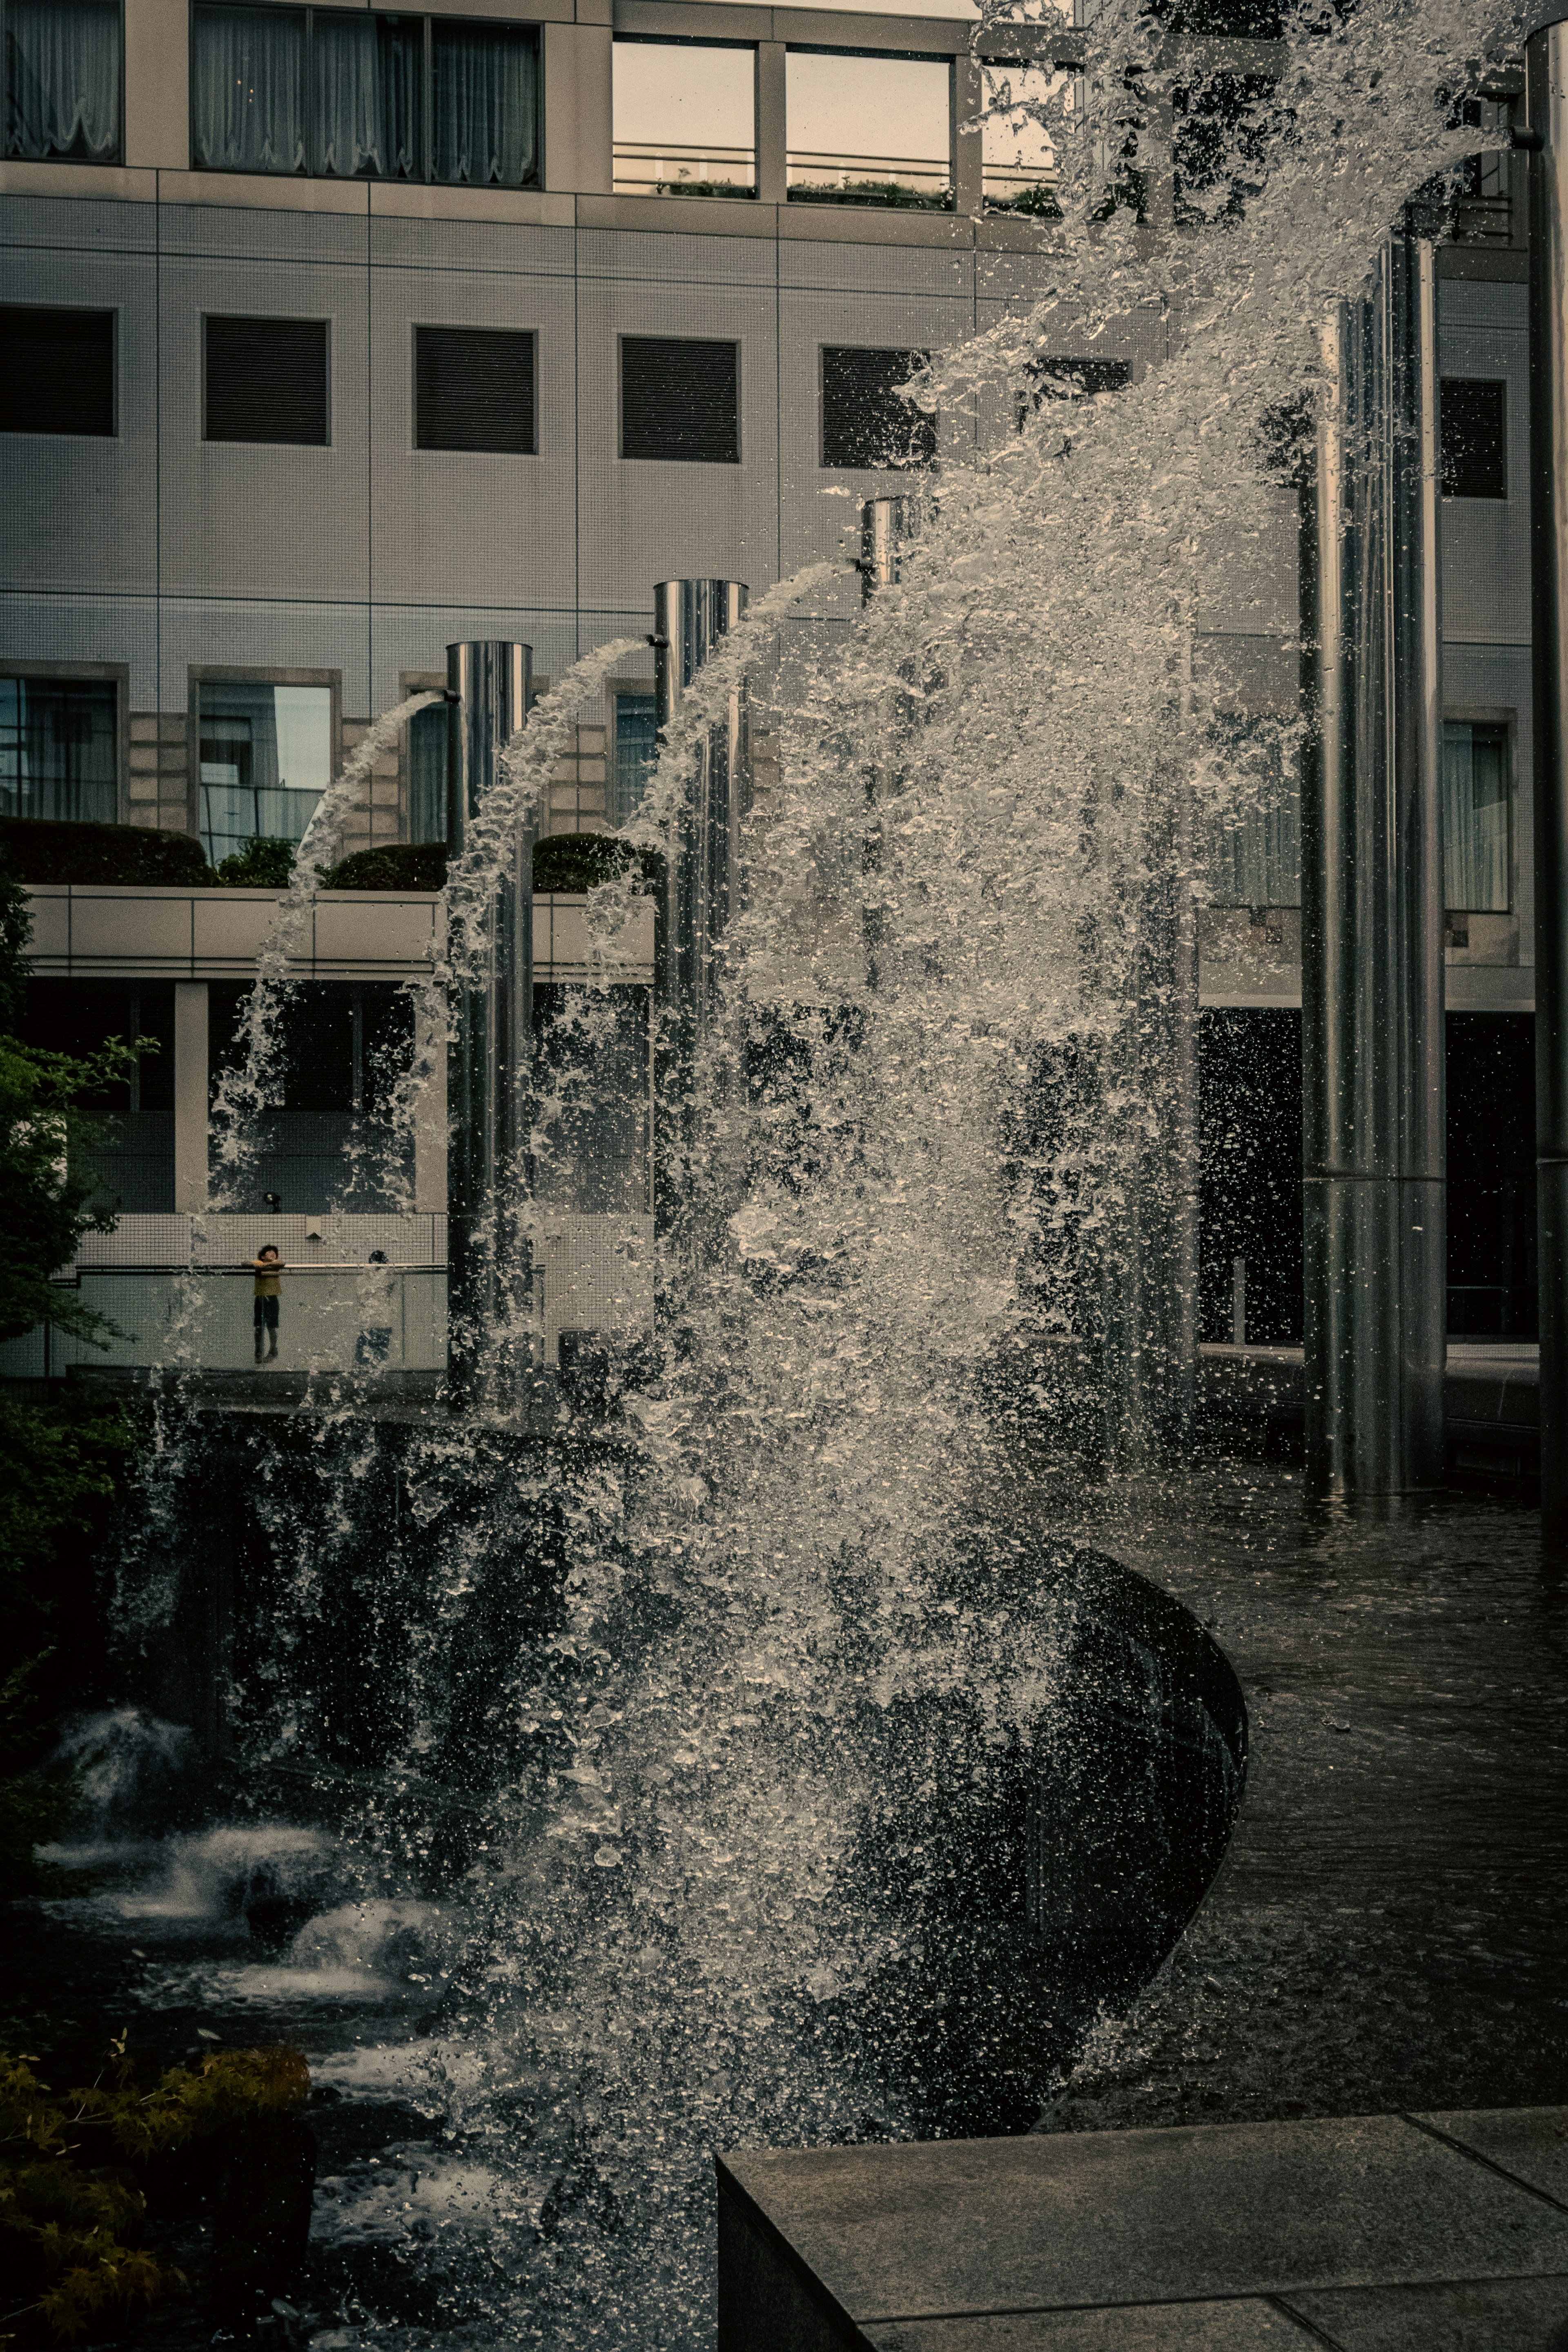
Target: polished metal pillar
[[489, 1314], [1546, 88], [1373, 1201], [702, 885], [886, 527]]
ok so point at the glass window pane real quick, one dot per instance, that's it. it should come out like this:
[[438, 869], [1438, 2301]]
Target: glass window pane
[[248, 78], [58, 757], [485, 105], [366, 74], [685, 120], [62, 79], [1020, 165], [1474, 818], [264, 760], [637, 748], [868, 129]]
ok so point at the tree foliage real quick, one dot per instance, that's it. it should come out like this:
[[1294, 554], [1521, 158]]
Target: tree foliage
[[71, 2222]]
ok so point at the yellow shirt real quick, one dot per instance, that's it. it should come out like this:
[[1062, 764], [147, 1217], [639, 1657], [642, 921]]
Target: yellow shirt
[[268, 1284]]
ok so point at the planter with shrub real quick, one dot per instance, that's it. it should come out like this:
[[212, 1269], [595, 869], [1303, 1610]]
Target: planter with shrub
[[37, 850]]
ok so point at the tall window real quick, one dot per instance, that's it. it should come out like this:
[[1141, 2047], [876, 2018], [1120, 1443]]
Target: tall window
[[58, 750], [265, 758], [1255, 838], [1475, 817], [63, 71], [1474, 411], [685, 119], [427, 773], [57, 370], [364, 95], [635, 749]]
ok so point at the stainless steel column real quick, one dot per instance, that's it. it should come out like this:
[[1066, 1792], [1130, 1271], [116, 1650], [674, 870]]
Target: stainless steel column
[[701, 883], [490, 1062], [1546, 84], [1373, 1212]]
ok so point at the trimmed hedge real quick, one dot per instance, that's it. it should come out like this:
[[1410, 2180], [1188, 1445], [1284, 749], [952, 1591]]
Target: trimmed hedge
[[395, 866], [37, 850], [578, 861]]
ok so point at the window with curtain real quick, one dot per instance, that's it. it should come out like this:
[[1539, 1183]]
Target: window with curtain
[[58, 750], [1254, 845], [63, 73], [265, 758], [1475, 817], [359, 94]]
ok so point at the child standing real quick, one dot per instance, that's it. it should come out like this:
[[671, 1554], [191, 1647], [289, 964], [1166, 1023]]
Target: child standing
[[268, 1268]]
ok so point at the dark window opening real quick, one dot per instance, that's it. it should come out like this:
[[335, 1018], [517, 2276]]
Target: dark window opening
[[135, 1161], [427, 733], [680, 400], [1221, 130], [324, 1139], [1491, 1175], [1475, 438], [371, 96], [1249, 1125], [57, 370], [1068, 379], [266, 380], [473, 390], [865, 420], [59, 754], [591, 1075], [63, 73]]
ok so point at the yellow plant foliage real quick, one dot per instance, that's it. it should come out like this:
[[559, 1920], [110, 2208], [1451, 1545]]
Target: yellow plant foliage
[[68, 2215]]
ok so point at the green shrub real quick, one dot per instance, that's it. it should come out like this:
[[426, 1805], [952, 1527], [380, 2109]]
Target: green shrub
[[395, 866], [264, 864], [889, 195], [37, 850], [580, 862]]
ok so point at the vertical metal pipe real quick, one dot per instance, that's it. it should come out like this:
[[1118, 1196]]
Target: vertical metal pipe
[[1546, 84], [489, 1061], [701, 886], [885, 527], [1373, 1216]]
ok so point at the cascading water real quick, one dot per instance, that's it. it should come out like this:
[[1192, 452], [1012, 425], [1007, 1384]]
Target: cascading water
[[702, 1731]]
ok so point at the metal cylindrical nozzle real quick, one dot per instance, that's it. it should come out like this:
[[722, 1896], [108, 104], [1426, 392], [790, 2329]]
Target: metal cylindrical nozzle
[[886, 527]]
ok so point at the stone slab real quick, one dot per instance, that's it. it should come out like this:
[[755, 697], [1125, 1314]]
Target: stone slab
[[1480, 2315], [969, 2228], [1529, 2142], [1245, 2327]]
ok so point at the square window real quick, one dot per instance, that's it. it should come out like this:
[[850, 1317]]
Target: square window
[[473, 389], [266, 380], [63, 67], [1069, 378], [57, 370], [484, 105], [685, 119], [866, 422], [60, 756], [1474, 415], [265, 758], [680, 399]]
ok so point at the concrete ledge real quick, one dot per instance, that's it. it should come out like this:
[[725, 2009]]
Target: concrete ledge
[[1360, 2231]]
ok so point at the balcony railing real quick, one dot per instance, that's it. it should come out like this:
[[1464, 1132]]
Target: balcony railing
[[923, 182], [642, 170], [1007, 188]]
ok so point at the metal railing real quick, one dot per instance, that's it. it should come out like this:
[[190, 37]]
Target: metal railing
[[642, 169], [815, 177]]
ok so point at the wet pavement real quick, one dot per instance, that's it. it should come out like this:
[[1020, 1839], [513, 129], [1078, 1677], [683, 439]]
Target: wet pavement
[[1387, 1931]]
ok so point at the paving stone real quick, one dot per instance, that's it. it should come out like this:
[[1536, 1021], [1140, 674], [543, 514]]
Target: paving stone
[[1481, 2316], [1529, 2142], [1134, 2217], [1247, 2326]]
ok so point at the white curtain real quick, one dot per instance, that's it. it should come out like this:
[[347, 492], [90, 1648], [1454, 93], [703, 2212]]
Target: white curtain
[[485, 105], [62, 71], [247, 89], [365, 78], [1474, 818]]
